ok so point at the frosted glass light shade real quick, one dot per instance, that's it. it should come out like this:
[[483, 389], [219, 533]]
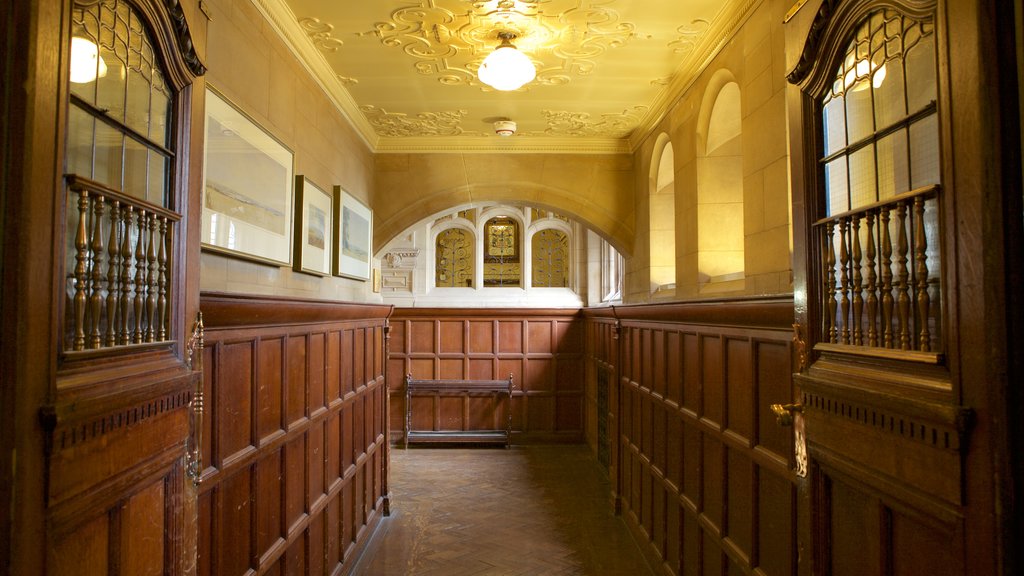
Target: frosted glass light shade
[[506, 68]]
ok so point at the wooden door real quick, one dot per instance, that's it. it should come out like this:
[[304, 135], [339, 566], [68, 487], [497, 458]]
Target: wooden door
[[100, 288], [899, 174]]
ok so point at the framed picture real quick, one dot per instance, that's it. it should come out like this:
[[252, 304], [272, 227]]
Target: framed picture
[[314, 228], [247, 187], [353, 236]]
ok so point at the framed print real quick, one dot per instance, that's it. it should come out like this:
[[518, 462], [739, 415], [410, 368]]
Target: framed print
[[353, 236], [314, 228], [247, 187]]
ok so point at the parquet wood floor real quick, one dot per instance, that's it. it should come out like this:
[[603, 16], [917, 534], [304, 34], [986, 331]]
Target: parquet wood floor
[[528, 510]]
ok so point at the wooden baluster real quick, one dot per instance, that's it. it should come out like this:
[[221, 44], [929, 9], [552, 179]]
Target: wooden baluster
[[858, 287], [830, 282], [921, 256], [872, 303], [123, 330], [161, 304], [887, 300], [844, 280], [903, 274], [95, 282], [151, 279], [140, 278], [81, 254], [113, 273]]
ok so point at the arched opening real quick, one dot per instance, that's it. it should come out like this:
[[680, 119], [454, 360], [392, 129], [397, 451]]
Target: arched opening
[[662, 211], [720, 232]]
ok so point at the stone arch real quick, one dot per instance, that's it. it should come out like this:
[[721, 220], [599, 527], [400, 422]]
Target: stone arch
[[596, 190]]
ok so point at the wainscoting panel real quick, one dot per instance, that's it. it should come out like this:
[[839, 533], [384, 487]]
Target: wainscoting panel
[[701, 471], [294, 438], [541, 349]]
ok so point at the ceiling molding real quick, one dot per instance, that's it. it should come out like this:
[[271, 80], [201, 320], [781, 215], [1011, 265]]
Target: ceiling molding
[[724, 27], [302, 46], [510, 145]]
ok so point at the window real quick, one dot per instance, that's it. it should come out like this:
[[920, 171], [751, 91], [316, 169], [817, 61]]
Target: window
[[550, 261], [119, 160], [879, 232], [501, 252], [454, 258]]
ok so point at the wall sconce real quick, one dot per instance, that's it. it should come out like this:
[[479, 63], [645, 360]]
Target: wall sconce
[[86, 62], [506, 68]]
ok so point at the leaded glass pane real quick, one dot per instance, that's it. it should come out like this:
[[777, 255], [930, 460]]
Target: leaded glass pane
[[79, 144], [837, 186], [834, 117], [862, 177], [109, 151], [893, 168], [924, 152]]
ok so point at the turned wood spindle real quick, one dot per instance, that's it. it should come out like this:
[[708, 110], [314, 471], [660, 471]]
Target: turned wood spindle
[[921, 256], [113, 272], [830, 282], [151, 278], [887, 299], [140, 277], [872, 300], [844, 280], [95, 282], [903, 274], [123, 329], [81, 254], [858, 296], [161, 304]]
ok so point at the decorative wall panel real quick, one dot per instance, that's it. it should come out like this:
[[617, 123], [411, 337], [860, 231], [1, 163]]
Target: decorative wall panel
[[295, 441], [700, 470], [542, 349]]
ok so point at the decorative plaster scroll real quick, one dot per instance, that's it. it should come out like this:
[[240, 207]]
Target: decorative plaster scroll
[[689, 36], [564, 38], [320, 34], [564, 123], [424, 124]]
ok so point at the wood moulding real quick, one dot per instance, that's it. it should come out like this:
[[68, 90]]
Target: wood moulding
[[222, 310]]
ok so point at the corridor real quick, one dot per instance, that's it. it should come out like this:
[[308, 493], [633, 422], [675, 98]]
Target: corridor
[[537, 510]]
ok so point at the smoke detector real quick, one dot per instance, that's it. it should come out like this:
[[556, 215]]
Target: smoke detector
[[504, 127]]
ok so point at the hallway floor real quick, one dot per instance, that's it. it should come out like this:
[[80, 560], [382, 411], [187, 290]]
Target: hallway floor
[[529, 510]]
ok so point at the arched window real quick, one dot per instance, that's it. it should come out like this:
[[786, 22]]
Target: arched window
[[880, 265], [119, 159], [720, 230], [453, 253], [662, 215], [550, 258], [502, 265]]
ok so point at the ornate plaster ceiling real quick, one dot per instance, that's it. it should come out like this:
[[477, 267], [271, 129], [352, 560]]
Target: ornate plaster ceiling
[[404, 71]]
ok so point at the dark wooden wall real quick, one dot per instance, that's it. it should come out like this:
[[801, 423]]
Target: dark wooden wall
[[294, 437], [701, 471], [542, 349]]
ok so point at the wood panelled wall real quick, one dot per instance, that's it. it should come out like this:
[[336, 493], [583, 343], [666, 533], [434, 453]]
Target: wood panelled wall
[[701, 471], [294, 448], [541, 348]]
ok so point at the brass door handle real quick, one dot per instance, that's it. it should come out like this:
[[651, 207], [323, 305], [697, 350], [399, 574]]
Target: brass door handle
[[784, 413]]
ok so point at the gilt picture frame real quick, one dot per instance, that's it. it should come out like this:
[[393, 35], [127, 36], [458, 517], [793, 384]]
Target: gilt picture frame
[[247, 187], [353, 243], [314, 228]]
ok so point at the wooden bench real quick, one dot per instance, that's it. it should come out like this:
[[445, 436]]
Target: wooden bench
[[496, 389]]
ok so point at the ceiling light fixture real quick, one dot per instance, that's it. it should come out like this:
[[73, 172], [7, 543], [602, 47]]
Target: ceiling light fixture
[[86, 62], [506, 68]]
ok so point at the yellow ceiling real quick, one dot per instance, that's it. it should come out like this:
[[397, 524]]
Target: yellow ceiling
[[404, 71]]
